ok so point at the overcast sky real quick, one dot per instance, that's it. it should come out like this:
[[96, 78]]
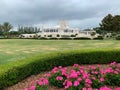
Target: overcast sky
[[79, 13]]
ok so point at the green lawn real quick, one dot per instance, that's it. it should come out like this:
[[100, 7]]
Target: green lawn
[[18, 49]]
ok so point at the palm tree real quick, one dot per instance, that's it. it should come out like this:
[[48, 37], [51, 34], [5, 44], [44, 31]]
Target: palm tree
[[6, 28], [1, 30]]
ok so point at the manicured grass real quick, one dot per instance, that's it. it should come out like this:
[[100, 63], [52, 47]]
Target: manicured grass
[[19, 49]]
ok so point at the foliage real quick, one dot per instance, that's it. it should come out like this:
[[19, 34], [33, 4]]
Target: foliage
[[57, 78], [82, 38], [117, 37], [111, 23], [65, 38], [93, 33], [27, 30], [112, 76], [73, 35], [58, 35], [98, 38], [5, 28]]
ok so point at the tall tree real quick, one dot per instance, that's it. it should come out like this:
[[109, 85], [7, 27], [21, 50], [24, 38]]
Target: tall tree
[[1, 30], [111, 23], [6, 28], [116, 23], [107, 23]]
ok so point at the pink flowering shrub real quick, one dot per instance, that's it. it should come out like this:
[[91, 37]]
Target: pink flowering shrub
[[80, 78], [40, 84], [96, 76], [112, 74], [105, 88], [58, 76]]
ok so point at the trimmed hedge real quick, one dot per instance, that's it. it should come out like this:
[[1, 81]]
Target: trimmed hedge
[[16, 71], [98, 38], [65, 38], [117, 37], [82, 38]]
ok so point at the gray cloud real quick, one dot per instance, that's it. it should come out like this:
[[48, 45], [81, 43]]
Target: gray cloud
[[79, 13]]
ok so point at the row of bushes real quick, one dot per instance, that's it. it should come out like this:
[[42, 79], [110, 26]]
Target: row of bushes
[[80, 38], [16, 71]]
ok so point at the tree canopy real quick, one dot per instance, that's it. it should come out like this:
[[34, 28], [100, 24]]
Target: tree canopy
[[110, 23], [5, 28]]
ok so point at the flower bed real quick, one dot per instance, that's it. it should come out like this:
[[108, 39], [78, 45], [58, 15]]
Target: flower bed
[[80, 78]]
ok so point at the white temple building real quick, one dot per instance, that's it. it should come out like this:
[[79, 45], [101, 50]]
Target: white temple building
[[62, 30]]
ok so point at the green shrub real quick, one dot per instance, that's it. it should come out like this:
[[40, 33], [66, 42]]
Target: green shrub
[[14, 72], [118, 37], [82, 38], [55, 82], [67, 38], [53, 38], [43, 38], [98, 38], [97, 84], [112, 79]]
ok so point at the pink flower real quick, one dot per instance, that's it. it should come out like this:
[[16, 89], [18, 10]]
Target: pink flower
[[60, 67], [118, 88], [48, 75], [43, 81], [26, 89], [105, 88], [54, 70], [93, 67], [89, 89], [73, 74], [115, 72], [76, 83], [84, 88], [32, 88], [88, 85], [118, 65], [67, 84], [95, 72], [88, 81], [85, 75], [76, 65], [109, 70], [40, 83], [102, 79], [79, 79], [113, 63], [63, 71], [59, 78], [93, 78]]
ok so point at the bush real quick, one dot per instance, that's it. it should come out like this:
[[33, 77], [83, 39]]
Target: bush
[[112, 76], [53, 38], [43, 38], [65, 38], [14, 72], [82, 38], [112, 79], [58, 83], [98, 38], [118, 37]]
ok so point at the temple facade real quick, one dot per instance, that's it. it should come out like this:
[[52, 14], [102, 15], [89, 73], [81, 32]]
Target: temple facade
[[62, 30]]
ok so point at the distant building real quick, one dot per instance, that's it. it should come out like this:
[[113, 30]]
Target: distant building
[[62, 30]]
